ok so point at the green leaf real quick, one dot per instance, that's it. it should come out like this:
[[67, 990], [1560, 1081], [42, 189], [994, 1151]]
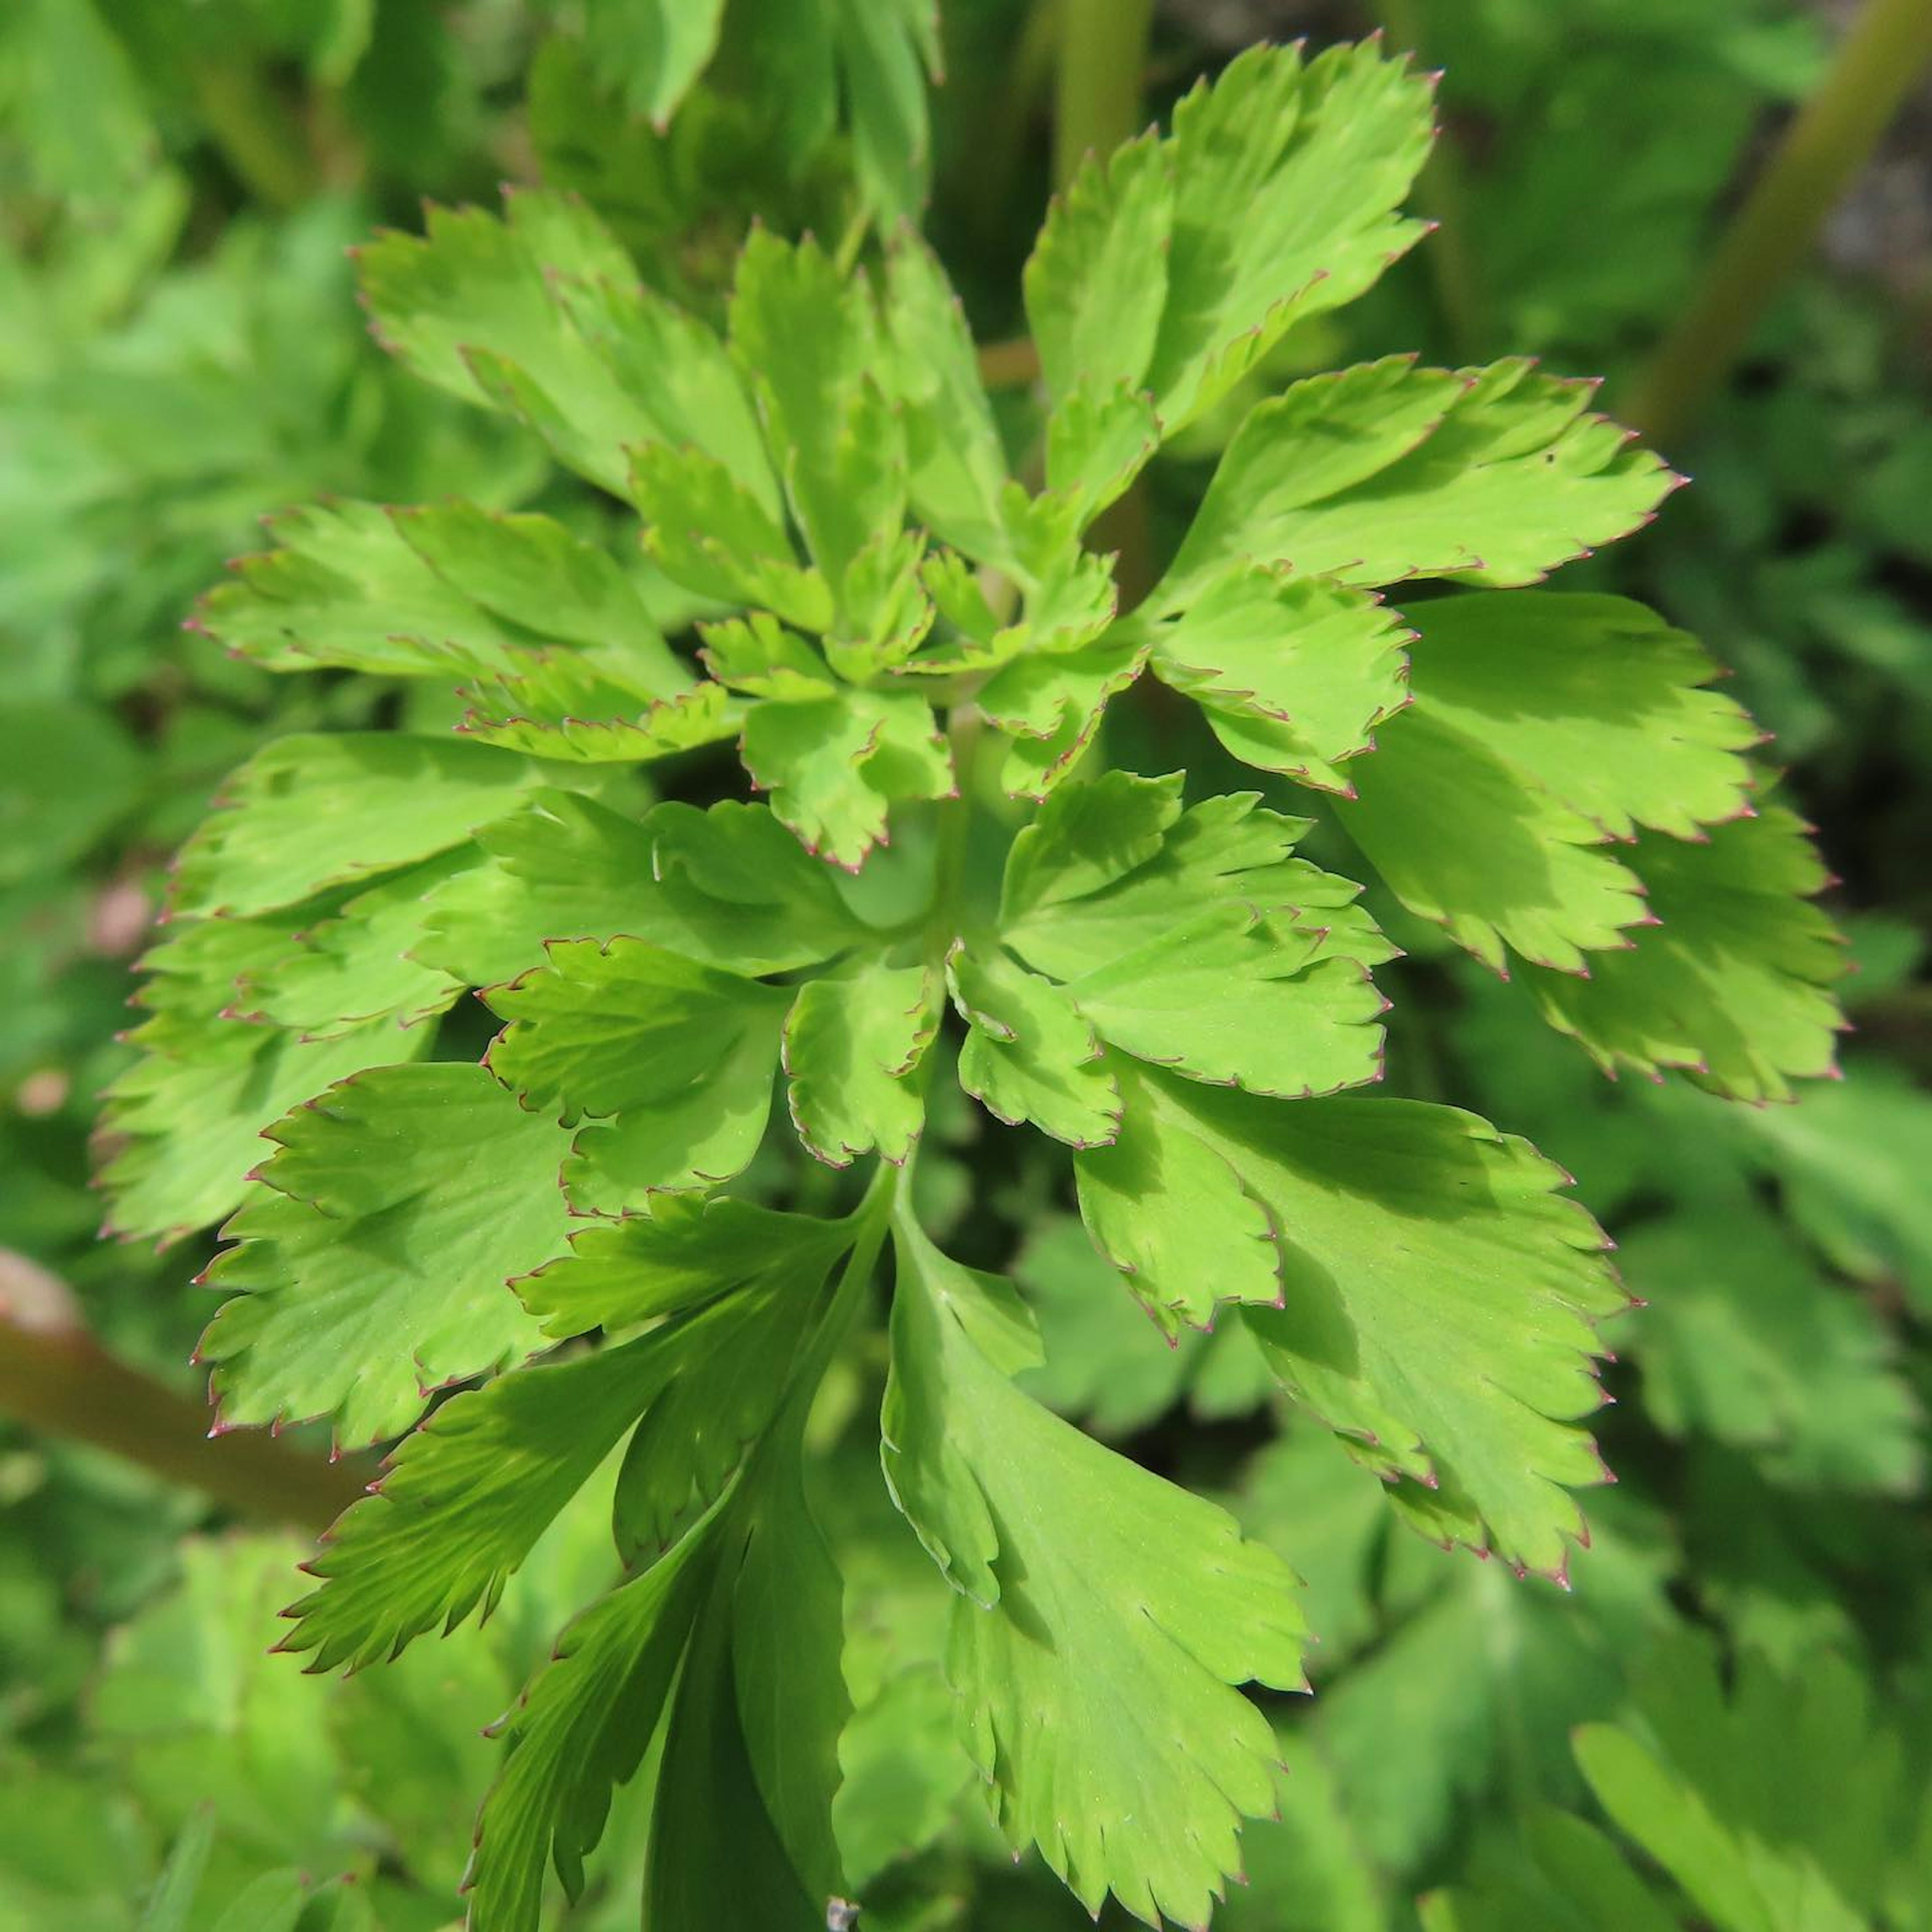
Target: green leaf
[[1029, 1055], [653, 50], [569, 708], [1098, 440], [852, 1047], [355, 968], [887, 49], [542, 315], [1595, 700], [423, 593], [811, 340], [1744, 1341], [1225, 998], [1105, 1615], [1147, 1200], [788, 1632], [71, 771], [1224, 852], [1097, 276], [1849, 1159], [683, 1053], [1385, 472], [955, 468], [308, 812], [183, 1127], [1461, 838], [1084, 838], [1564, 1876], [363, 1284], [1733, 982], [1294, 673], [583, 1728], [466, 1498], [1286, 179], [1774, 1807], [728, 886], [169, 1907], [707, 531], [1435, 1295], [686, 1254], [1048, 703], [835, 767]]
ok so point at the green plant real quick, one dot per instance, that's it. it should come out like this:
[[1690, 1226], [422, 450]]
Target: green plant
[[916, 655]]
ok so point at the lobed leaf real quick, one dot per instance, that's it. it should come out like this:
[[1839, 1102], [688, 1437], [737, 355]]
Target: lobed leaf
[[363, 1284], [1105, 1616]]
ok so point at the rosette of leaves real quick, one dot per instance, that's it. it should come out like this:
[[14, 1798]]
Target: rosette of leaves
[[895, 629]]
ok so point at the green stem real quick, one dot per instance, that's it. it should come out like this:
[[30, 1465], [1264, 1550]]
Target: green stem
[[965, 731], [1103, 56], [260, 135], [1887, 48], [60, 1381]]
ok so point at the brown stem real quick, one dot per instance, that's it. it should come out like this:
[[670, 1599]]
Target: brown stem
[[55, 1377], [1889, 46]]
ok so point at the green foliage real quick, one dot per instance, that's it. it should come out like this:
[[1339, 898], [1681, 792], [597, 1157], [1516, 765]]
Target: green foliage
[[799, 1458]]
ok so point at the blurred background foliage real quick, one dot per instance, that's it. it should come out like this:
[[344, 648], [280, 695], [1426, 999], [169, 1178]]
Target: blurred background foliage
[[1744, 1648]]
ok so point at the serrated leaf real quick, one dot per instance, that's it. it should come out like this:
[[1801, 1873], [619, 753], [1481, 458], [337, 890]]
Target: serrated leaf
[[1286, 180], [308, 812], [756, 655], [355, 968], [809, 336], [1229, 999], [1097, 276], [852, 1046], [570, 709], [362, 1284], [1048, 704], [955, 468], [1098, 440], [735, 1368], [183, 1127], [1732, 984], [344, 587], [583, 1728], [1029, 1055], [465, 1499], [683, 1054], [728, 886], [685, 1254], [1084, 838], [1224, 852], [1294, 673], [1386, 472], [707, 531], [1147, 1199], [1461, 838], [542, 315], [1595, 700], [1079, 1663], [1437, 1294], [835, 767]]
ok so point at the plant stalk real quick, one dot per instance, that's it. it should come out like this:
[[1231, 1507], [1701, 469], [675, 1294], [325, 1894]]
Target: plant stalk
[[54, 1378], [1103, 58], [1889, 46]]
